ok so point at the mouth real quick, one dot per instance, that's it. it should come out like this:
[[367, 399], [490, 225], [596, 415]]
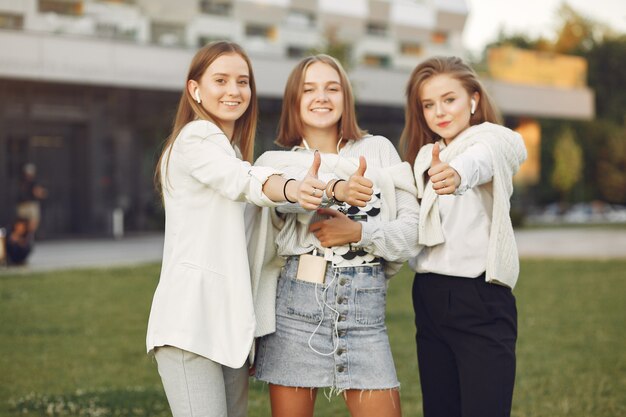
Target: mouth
[[443, 124], [230, 103], [321, 110]]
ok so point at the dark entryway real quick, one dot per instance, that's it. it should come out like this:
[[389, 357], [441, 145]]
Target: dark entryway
[[58, 150]]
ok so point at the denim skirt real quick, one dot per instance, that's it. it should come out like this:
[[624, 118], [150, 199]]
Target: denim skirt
[[331, 334]]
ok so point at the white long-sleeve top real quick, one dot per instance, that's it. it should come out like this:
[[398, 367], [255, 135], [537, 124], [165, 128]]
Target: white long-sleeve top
[[393, 240], [466, 213], [486, 210], [203, 302]]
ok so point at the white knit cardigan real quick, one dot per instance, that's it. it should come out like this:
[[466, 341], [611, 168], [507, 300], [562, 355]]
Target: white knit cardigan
[[262, 224], [507, 151]]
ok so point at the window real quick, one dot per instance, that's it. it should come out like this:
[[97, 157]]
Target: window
[[168, 34], [112, 31], [377, 29], [216, 7], [261, 31], [203, 40], [413, 49], [67, 7], [297, 52], [380, 61], [11, 21], [439, 38]]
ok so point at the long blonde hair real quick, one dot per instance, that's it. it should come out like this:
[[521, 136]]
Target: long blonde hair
[[416, 132], [290, 127], [189, 109]]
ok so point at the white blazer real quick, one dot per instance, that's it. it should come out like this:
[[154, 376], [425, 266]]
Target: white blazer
[[203, 302]]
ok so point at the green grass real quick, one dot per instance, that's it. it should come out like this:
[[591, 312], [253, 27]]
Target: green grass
[[72, 343]]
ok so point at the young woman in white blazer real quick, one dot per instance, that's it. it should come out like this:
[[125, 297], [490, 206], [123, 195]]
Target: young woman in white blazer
[[465, 312], [202, 321]]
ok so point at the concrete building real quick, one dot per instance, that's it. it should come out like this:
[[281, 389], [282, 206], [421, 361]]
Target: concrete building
[[88, 88]]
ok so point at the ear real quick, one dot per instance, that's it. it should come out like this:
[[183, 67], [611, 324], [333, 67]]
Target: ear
[[192, 85], [475, 98]]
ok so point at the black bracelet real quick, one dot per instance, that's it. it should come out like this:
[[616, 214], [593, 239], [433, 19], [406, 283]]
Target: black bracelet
[[285, 190], [332, 191]]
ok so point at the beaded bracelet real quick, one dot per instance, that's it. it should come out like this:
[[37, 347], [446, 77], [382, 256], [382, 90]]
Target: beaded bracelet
[[285, 190]]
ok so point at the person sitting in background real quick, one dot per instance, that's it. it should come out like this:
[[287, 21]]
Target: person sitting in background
[[30, 196], [19, 242]]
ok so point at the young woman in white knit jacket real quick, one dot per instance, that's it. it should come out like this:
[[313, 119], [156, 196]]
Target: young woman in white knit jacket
[[465, 312], [328, 327], [202, 320]]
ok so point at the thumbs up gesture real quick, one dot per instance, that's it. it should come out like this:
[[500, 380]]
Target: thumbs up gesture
[[444, 178], [357, 190], [311, 189]]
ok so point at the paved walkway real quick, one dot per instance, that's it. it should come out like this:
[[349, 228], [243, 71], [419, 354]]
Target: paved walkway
[[584, 243]]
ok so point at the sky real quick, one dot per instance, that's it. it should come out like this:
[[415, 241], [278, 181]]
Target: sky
[[532, 17]]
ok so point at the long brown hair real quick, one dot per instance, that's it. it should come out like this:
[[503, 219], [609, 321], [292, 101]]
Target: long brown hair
[[416, 132], [189, 109], [290, 127]]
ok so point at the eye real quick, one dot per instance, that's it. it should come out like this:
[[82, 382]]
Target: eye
[[427, 105], [243, 82], [308, 90], [333, 89], [220, 80], [449, 100]]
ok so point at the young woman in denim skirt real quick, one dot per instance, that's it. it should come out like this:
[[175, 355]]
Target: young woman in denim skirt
[[328, 327], [202, 321], [464, 310]]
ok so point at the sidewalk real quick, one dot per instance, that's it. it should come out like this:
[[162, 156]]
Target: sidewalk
[[90, 253], [581, 243]]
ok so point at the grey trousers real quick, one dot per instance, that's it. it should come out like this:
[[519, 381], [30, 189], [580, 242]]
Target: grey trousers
[[198, 387]]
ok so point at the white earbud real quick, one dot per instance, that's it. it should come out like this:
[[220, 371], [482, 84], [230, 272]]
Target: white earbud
[[197, 96], [472, 109]]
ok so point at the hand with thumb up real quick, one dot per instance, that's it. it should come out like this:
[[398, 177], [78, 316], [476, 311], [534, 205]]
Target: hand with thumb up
[[310, 190], [444, 178], [357, 190]]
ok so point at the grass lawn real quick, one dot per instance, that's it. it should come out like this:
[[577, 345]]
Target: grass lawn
[[72, 343]]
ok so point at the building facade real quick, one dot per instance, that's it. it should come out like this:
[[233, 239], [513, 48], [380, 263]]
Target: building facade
[[88, 88]]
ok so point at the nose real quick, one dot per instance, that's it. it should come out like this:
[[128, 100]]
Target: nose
[[439, 109], [321, 95], [233, 88]]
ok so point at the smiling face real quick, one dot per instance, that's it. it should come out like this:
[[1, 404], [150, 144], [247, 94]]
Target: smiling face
[[321, 103], [224, 90], [446, 105]]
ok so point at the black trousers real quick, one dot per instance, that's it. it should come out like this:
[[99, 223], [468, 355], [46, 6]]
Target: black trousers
[[466, 334]]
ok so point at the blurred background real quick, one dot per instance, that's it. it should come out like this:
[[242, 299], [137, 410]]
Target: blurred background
[[89, 88]]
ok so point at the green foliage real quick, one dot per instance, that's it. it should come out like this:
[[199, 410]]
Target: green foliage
[[73, 343], [607, 77], [568, 163], [336, 48], [611, 172], [576, 33]]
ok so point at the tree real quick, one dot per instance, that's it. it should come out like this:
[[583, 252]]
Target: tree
[[576, 33], [611, 169], [568, 163], [607, 77], [336, 48]]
